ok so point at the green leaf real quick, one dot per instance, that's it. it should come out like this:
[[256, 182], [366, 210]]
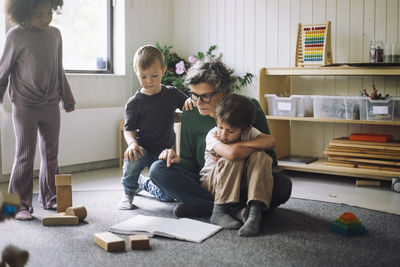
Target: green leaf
[[200, 55], [171, 59]]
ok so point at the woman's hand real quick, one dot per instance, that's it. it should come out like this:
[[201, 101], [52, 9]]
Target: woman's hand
[[189, 104], [170, 156], [131, 153]]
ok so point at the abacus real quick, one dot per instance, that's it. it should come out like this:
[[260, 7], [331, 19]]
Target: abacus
[[313, 45]]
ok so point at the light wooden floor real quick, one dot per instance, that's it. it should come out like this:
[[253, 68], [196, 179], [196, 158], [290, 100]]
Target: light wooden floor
[[328, 188]]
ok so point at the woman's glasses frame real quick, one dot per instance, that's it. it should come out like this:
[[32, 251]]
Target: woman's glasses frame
[[205, 98]]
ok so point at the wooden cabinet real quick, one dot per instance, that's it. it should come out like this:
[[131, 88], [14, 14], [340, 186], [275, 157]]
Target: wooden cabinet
[[272, 78]]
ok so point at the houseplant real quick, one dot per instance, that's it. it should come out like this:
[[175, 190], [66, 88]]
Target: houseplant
[[177, 66]]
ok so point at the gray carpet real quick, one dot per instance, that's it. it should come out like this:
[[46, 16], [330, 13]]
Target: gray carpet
[[296, 234]]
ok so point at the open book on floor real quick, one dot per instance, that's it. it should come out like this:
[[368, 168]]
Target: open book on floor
[[183, 228]]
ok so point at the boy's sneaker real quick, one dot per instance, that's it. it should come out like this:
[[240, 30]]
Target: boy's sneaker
[[126, 203]]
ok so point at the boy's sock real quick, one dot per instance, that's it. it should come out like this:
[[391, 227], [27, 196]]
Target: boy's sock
[[239, 213], [252, 224], [244, 214], [220, 216], [126, 202]]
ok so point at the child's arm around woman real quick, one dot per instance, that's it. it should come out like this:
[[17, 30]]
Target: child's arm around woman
[[242, 149]]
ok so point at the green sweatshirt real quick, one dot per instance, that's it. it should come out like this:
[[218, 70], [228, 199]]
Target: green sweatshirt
[[194, 130]]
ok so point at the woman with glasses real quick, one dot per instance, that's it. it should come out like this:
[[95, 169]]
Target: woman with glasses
[[209, 82]]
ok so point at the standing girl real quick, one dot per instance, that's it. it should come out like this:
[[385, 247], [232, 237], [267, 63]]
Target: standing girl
[[31, 67]]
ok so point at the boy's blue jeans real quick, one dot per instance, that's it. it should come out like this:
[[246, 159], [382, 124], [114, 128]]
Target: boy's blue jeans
[[182, 185], [131, 173]]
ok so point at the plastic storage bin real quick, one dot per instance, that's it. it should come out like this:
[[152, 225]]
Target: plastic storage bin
[[396, 110], [295, 105], [379, 110], [336, 107], [352, 108], [304, 106]]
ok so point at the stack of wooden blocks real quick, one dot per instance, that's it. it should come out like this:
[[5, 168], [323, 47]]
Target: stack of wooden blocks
[[66, 213], [363, 154]]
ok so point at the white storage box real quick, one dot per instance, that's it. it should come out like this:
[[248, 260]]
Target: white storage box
[[336, 107], [379, 110], [281, 106], [295, 105]]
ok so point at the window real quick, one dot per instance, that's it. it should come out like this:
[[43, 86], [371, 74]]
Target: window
[[2, 26], [86, 28]]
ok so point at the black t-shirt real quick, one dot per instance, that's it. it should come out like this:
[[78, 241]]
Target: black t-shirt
[[152, 117]]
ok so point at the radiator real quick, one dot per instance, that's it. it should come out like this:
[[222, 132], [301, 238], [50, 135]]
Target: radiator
[[87, 135]]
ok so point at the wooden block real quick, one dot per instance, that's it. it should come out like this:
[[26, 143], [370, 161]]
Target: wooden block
[[64, 197], [79, 211], [139, 242], [63, 179], [368, 183], [58, 220], [9, 204], [109, 241]]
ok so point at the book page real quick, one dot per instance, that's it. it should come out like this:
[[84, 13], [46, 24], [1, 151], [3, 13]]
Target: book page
[[191, 230], [139, 223], [184, 229]]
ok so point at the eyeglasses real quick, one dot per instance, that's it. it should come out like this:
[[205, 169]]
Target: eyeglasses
[[206, 99]]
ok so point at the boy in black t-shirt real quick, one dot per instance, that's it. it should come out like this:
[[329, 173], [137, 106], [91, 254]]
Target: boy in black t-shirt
[[149, 120]]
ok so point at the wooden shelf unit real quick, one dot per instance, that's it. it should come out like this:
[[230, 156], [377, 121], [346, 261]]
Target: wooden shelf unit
[[394, 123], [272, 78]]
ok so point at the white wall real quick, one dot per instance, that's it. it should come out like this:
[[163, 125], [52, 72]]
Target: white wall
[[95, 139], [262, 33], [251, 34], [137, 22]]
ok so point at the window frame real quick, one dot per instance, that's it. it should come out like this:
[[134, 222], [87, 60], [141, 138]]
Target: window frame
[[110, 49]]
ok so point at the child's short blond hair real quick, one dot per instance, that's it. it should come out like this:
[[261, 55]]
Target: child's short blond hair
[[145, 56]]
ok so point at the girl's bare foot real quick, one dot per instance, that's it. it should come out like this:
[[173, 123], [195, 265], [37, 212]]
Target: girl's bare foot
[[23, 215]]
